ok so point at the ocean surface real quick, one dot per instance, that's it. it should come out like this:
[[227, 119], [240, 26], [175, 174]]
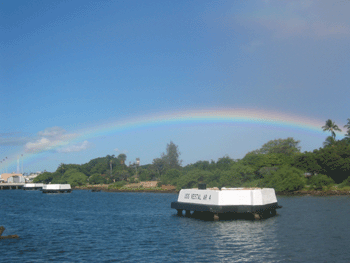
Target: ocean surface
[[89, 226]]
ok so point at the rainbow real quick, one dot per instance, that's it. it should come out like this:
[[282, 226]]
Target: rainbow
[[261, 118]]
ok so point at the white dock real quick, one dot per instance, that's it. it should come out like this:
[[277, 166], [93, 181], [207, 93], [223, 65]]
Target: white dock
[[56, 188], [38, 186]]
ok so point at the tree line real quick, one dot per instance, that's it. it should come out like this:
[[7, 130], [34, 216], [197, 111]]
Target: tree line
[[278, 163], [112, 169]]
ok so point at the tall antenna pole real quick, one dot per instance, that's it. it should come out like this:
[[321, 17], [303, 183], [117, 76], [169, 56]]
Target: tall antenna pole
[[22, 163], [18, 164]]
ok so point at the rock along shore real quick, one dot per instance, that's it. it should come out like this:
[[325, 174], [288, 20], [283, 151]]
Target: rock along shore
[[2, 229]]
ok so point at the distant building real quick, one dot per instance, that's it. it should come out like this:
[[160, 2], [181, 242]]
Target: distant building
[[12, 178], [30, 178]]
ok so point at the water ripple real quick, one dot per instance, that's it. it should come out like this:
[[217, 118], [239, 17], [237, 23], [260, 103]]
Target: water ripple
[[141, 227]]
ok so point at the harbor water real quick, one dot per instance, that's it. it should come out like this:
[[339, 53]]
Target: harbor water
[[86, 226]]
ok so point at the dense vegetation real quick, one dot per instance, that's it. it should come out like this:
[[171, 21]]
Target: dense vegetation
[[278, 164]]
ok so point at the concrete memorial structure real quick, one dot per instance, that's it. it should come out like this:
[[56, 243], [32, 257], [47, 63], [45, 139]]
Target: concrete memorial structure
[[258, 202]]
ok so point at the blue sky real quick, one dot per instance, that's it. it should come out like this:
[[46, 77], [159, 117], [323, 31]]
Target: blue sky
[[68, 66]]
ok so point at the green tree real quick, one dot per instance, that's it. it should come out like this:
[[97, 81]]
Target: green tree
[[258, 160], [159, 166], [329, 141], [172, 156], [77, 179], [145, 174], [71, 176], [122, 158], [192, 178], [346, 182], [287, 146], [285, 179], [331, 126], [347, 126], [97, 179], [308, 162], [170, 177], [99, 168], [237, 175], [335, 160], [202, 165], [121, 175], [45, 178], [317, 182], [224, 163]]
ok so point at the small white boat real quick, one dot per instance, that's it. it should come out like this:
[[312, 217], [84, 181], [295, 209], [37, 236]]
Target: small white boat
[[259, 202]]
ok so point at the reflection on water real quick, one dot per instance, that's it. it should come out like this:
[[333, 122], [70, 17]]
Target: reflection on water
[[229, 241], [242, 240]]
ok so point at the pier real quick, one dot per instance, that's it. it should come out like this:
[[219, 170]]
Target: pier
[[49, 188], [11, 186], [56, 188], [33, 186]]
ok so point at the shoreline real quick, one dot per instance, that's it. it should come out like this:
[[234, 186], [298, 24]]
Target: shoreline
[[314, 193], [105, 188], [125, 190]]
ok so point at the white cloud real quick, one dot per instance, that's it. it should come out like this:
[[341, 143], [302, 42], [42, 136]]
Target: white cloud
[[40, 144], [116, 149], [49, 139], [75, 148]]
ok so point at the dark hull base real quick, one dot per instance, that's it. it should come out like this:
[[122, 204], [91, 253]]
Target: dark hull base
[[10, 187], [213, 212], [56, 191], [32, 188]]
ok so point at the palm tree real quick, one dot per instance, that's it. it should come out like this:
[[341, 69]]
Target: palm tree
[[122, 157], [329, 141], [348, 127], [331, 126]]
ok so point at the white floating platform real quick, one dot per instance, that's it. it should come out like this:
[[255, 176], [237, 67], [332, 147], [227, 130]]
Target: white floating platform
[[33, 186], [257, 201], [57, 188]]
